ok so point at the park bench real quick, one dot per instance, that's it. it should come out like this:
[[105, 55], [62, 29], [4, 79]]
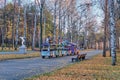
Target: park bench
[[79, 57]]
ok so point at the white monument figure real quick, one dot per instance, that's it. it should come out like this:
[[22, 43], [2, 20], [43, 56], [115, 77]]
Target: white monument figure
[[23, 40], [22, 49]]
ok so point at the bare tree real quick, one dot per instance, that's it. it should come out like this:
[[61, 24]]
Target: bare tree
[[34, 33], [13, 24], [112, 31], [17, 26], [105, 27], [25, 24], [3, 28], [55, 15]]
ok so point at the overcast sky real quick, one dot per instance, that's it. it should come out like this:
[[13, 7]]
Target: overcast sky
[[95, 9]]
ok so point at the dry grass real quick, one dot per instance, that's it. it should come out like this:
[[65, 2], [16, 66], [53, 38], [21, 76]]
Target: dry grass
[[19, 56], [97, 68], [16, 56], [6, 49]]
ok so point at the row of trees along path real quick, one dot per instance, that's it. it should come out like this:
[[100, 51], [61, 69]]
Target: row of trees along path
[[60, 19]]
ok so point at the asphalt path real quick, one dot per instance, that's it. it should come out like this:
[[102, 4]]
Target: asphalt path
[[18, 69]]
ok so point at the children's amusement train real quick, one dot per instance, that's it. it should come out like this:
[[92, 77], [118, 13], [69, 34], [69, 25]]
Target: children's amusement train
[[65, 48]]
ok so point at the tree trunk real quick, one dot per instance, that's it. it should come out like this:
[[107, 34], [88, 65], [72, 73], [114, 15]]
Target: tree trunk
[[110, 46], [41, 16], [25, 24], [54, 34], [16, 41], [105, 28], [59, 32], [71, 34], [44, 31], [68, 19], [13, 25], [113, 32], [63, 28], [119, 42], [34, 33], [2, 30], [85, 39]]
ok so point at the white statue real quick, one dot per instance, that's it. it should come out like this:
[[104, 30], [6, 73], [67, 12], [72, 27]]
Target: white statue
[[23, 40]]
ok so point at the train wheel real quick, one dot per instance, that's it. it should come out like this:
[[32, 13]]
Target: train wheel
[[43, 57], [56, 56], [49, 57]]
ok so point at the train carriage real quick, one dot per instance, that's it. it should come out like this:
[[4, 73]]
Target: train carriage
[[56, 50], [48, 51], [72, 49]]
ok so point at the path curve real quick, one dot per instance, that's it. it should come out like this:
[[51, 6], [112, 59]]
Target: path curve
[[18, 69]]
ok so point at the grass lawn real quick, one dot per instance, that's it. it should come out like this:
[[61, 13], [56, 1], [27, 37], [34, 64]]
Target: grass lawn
[[19, 56], [6, 49], [97, 68]]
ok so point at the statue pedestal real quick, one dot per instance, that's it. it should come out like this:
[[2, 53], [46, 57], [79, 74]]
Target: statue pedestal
[[22, 49]]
